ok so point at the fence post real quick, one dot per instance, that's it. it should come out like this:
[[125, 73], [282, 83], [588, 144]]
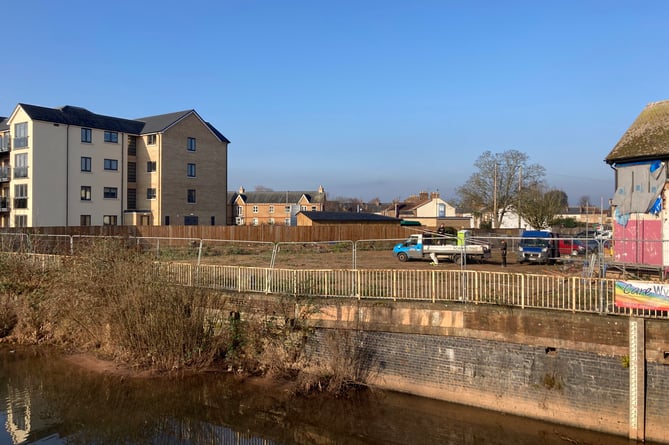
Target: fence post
[[434, 285], [295, 282], [71, 244], [239, 278], [522, 291]]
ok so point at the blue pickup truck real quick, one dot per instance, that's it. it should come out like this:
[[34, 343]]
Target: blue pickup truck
[[538, 246]]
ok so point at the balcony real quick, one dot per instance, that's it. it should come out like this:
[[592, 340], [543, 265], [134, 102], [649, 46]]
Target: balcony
[[4, 174], [21, 142], [5, 144], [21, 203], [4, 205], [20, 172]]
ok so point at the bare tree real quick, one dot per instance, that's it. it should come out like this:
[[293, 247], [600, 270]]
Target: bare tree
[[584, 201], [494, 189], [262, 188], [540, 206]]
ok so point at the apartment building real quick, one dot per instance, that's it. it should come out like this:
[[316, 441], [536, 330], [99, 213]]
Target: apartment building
[[73, 167], [273, 207]]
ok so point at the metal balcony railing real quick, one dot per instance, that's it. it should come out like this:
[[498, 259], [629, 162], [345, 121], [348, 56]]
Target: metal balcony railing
[[21, 142], [20, 172]]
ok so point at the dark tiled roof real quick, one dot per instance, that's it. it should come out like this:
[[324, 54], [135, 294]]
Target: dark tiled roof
[[81, 117], [647, 138], [159, 123], [272, 197], [3, 124], [347, 217], [217, 133]]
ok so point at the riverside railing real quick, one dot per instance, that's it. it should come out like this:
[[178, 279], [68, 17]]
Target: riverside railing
[[573, 294]]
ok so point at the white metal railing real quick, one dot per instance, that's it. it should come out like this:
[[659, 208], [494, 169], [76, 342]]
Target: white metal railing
[[549, 291], [573, 294]]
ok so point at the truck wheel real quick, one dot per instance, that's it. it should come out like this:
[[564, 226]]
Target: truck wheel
[[403, 257], [456, 259]]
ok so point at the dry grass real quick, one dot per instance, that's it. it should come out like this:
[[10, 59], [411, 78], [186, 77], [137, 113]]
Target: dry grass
[[113, 300]]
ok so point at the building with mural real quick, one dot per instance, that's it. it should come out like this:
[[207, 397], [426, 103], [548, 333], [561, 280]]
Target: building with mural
[[641, 218]]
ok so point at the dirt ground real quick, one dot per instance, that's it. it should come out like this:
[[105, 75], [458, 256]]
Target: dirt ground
[[309, 256]]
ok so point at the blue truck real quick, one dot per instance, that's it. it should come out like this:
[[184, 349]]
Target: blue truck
[[538, 246]]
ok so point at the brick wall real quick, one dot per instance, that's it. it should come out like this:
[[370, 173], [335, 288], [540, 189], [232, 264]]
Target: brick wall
[[558, 367]]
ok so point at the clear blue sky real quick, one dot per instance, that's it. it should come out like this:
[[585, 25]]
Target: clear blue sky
[[367, 98]]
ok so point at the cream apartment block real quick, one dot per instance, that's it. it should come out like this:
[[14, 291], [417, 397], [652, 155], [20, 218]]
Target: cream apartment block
[[72, 167]]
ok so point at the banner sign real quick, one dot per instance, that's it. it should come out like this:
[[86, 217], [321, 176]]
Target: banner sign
[[642, 295]]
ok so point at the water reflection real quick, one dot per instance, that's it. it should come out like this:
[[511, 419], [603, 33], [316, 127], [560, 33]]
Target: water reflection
[[46, 400]]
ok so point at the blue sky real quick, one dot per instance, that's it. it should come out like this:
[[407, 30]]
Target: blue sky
[[367, 98]]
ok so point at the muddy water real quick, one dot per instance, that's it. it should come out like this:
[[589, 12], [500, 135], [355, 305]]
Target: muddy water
[[47, 400]]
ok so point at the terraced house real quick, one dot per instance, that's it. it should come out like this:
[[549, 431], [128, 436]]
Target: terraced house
[[273, 207], [72, 167]]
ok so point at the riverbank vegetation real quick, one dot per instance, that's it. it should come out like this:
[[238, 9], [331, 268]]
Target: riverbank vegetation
[[114, 302]]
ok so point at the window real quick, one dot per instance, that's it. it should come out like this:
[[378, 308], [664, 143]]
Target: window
[[110, 220], [85, 164], [255, 209], [21, 221], [313, 208], [286, 221], [132, 146], [191, 144], [132, 172], [151, 139], [271, 209], [85, 220], [190, 220], [191, 196], [21, 196], [85, 192], [286, 209], [151, 193], [167, 220], [255, 221], [271, 221], [21, 165], [132, 199], [111, 164], [86, 136], [151, 166], [21, 135], [191, 170], [240, 211], [303, 208], [111, 136], [111, 193]]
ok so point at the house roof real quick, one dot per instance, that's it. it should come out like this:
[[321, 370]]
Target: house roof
[[347, 217], [4, 125], [81, 117], [647, 138], [71, 115], [274, 197], [160, 123]]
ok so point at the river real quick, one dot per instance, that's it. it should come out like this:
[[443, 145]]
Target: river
[[45, 399]]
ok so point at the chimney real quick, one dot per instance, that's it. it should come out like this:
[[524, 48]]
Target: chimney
[[241, 190], [422, 195]]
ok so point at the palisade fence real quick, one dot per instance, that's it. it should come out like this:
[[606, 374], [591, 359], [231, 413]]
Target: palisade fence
[[255, 268]]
